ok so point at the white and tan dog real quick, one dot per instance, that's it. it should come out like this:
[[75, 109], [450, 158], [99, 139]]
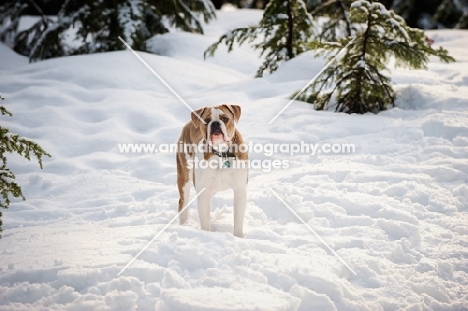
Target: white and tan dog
[[221, 169]]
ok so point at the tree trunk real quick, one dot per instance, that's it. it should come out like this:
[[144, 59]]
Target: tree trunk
[[289, 39]]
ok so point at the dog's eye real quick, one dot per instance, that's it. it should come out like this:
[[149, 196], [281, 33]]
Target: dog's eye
[[225, 119], [207, 121]]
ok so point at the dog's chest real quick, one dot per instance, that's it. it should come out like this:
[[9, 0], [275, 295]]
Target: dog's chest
[[224, 178], [221, 174]]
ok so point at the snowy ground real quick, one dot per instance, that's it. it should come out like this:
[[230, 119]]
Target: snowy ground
[[395, 211]]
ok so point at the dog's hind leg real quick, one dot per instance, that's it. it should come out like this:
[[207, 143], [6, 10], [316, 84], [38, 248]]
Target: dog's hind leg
[[184, 193], [183, 185]]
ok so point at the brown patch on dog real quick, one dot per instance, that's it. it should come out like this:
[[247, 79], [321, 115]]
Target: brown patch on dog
[[192, 133], [240, 155], [235, 113], [234, 109]]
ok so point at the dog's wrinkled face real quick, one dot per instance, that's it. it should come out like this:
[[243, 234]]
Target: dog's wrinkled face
[[219, 126]]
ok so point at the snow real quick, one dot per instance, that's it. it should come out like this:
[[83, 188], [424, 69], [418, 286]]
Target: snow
[[360, 4], [361, 63], [395, 210]]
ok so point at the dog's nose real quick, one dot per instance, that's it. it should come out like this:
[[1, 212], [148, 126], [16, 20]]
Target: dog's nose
[[215, 125]]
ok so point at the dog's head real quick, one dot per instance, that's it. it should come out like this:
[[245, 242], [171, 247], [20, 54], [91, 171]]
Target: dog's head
[[220, 123]]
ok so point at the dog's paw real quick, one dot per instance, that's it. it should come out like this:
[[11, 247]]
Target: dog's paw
[[239, 234], [206, 228]]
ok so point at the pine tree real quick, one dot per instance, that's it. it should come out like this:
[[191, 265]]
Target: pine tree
[[97, 24], [282, 34], [356, 83], [13, 143]]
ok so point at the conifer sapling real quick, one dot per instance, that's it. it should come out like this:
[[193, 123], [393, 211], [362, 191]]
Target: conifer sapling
[[282, 34], [356, 83]]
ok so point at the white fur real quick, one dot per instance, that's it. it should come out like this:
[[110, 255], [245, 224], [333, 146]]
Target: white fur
[[219, 179]]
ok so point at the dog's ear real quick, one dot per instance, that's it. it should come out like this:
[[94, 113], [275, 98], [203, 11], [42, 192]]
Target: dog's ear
[[236, 111], [197, 117]]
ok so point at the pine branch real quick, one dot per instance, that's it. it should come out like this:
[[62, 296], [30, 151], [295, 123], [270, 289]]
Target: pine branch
[[13, 143], [239, 35], [10, 14], [8, 187], [41, 13], [3, 110], [337, 13], [97, 24]]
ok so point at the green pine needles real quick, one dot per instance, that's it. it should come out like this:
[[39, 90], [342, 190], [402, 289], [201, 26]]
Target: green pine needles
[[13, 143], [356, 83], [282, 34], [95, 25], [336, 22]]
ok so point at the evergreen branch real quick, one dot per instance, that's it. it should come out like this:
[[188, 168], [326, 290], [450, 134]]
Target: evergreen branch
[[4, 111], [10, 14], [239, 35], [332, 71], [24, 147], [13, 143], [344, 13], [337, 13], [41, 13], [8, 187], [387, 88], [98, 24], [270, 62]]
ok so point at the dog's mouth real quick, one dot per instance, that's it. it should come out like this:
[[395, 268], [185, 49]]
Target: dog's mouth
[[217, 138]]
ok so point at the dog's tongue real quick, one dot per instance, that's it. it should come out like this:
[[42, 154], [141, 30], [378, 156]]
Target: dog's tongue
[[217, 137]]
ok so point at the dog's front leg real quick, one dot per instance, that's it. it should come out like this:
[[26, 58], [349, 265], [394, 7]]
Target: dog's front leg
[[240, 200], [204, 207]]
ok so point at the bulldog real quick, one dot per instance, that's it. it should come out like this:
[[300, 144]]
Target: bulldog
[[218, 163]]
